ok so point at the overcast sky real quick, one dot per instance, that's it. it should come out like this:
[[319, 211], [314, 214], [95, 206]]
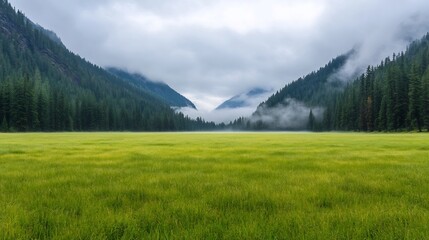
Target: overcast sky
[[210, 50]]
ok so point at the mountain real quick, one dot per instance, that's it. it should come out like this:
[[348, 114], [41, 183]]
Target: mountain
[[392, 96], [45, 87], [157, 89], [289, 108], [315, 88], [244, 100]]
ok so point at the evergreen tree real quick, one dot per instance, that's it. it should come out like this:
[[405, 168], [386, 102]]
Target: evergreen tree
[[382, 118], [414, 99], [402, 85], [20, 114], [4, 126], [327, 120], [311, 121], [425, 100]]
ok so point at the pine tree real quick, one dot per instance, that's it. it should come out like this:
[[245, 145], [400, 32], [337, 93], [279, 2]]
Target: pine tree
[[6, 100], [362, 105], [425, 100], [327, 120], [368, 100], [20, 117], [369, 114], [1, 102], [42, 109], [382, 119], [414, 94], [35, 105], [4, 126], [311, 121], [391, 115], [401, 92]]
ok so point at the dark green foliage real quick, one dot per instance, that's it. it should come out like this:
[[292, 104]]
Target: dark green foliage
[[393, 96], [311, 122], [314, 89], [158, 89], [4, 127], [45, 87], [414, 95], [425, 99]]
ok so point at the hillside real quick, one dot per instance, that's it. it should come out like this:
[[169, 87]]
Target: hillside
[[45, 87], [288, 108], [393, 96], [157, 89], [313, 89]]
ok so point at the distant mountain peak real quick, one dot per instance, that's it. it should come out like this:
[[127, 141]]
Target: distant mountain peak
[[257, 91], [247, 99]]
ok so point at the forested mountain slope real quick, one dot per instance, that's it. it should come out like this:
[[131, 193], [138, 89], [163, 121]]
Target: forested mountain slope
[[393, 96], [158, 89], [315, 88], [281, 110], [45, 87]]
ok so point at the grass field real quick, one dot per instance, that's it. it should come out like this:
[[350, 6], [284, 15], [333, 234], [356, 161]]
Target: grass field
[[214, 186]]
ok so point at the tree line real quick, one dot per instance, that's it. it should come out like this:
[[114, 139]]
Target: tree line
[[31, 104]]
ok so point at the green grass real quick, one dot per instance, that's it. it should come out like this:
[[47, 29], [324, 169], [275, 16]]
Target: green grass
[[214, 186]]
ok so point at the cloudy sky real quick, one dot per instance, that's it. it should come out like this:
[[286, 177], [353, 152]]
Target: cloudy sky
[[210, 50]]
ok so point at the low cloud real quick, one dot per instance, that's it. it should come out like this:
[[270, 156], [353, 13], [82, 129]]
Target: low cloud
[[248, 106], [218, 116], [291, 114], [381, 32]]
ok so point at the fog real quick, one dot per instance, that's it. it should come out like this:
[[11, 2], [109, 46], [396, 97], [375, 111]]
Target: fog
[[289, 115]]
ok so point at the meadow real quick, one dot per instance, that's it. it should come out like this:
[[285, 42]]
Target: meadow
[[214, 186]]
